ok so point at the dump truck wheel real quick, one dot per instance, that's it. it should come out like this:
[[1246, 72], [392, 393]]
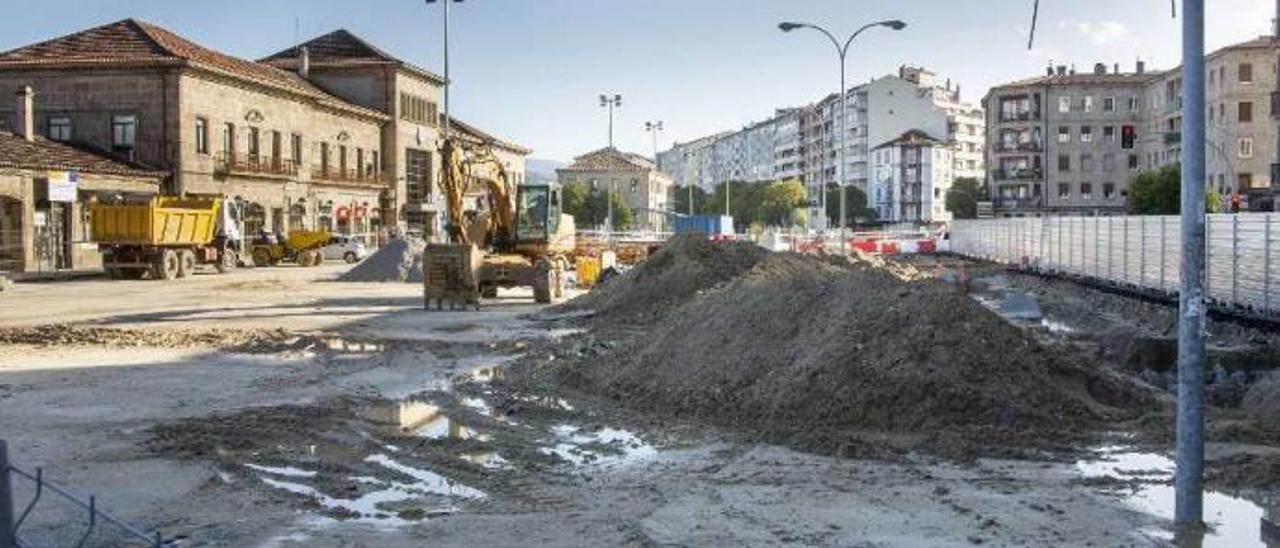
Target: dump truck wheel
[[261, 257], [166, 266], [186, 263], [489, 291]]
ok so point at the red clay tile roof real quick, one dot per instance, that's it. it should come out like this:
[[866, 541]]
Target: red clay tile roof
[[341, 48], [607, 159], [468, 130], [43, 154], [134, 43]]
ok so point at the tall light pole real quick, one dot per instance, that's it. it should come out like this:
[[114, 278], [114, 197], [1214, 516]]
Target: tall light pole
[[610, 103], [447, 81], [842, 51], [654, 128]]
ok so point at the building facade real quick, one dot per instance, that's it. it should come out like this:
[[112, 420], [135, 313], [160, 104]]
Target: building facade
[[351, 68], [645, 189], [1070, 143], [45, 191], [911, 176]]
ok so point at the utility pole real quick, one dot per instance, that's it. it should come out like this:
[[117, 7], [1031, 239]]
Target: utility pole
[[610, 103], [1189, 477], [1275, 113]]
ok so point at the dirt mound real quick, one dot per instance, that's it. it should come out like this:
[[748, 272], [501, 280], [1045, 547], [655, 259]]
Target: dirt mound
[[398, 261], [1262, 401], [246, 340], [683, 267], [819, 352]]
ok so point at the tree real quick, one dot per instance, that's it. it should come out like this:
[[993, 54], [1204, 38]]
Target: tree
[[855, 205], [778, 199], [589, 208], [680, 203], [575, 196], [1157, 192], [962, 198]]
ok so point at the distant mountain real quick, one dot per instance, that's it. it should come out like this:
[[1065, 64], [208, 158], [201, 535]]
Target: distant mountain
[[541, 170]]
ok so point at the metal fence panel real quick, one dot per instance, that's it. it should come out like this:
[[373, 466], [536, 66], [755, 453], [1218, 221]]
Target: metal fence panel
[[1242, 252]]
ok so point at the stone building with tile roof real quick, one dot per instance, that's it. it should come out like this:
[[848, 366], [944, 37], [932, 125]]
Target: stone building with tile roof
[[45, 189], [646, 191], [349, 67], [295, 155]]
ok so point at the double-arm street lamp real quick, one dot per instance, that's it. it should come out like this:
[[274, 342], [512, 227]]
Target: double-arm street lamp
[[446, 62], [610, 103], [654, 128], [842, 50]]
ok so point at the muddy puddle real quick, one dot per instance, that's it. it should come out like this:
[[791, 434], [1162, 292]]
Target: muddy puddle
[[1144, 482], [460, 445]]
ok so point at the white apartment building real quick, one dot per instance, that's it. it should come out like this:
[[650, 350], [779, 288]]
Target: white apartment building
[[806, 141], [910, 178]]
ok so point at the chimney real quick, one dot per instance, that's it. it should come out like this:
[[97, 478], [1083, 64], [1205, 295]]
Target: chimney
[[1099, 68], [25, 115], [304, 62], [1115, 68], [1048, 71], [1142, 67], [1062, 70], [1073, 69]]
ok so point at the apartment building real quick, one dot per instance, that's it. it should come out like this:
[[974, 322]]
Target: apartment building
[[1070, 143], [911, 176], [807, 140], [349, 67], [645, 189]]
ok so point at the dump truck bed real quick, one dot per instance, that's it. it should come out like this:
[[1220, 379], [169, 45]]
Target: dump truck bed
[[164, 221]]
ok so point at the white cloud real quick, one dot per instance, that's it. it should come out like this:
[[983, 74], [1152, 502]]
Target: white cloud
[[1102, 32]]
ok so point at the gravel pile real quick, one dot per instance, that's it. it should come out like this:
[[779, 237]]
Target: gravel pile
[[398, 261], [820, 352]]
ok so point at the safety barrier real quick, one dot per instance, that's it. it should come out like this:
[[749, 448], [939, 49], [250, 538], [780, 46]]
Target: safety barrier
[[1140, 252]]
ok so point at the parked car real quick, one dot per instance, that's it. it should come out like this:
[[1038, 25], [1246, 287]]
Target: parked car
[[348, 248]]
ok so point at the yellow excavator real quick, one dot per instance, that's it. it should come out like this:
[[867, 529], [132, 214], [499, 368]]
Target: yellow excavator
[[519, 239]]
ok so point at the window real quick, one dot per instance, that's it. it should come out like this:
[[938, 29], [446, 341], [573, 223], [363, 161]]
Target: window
[[1246, 147], [1086, 134], [124, 134], [202, 136], [418, 110], [374, 166], [1133, 162], [1222, 111], [360, 167], [277, 148], [1109, 134], [1086, 163], [1134, 103], [1245, 182], [1064, 190], [324, 158], [1246, 111], [1109, 104], [1246, 73], [1064, 134], [1064, 162], [295, 146], [229, 140], [60, 129], [1088, 103], [1108, 190], [1086, 191], [255, 144], [1064, 104], [635, 186], [342, 159], [1128, 137]]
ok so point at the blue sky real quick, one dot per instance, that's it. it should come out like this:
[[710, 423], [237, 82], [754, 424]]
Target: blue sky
[[531, 70]]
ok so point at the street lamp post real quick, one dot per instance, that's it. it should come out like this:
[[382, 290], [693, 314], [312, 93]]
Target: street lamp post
[[447, 81], [654, 128], [610, 103], [842, 51]]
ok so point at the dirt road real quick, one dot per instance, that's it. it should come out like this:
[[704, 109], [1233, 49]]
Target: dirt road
[[359, 420]]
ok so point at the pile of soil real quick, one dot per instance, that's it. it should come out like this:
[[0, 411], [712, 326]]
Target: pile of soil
[[685, 266], [399, 260], [820, 353]]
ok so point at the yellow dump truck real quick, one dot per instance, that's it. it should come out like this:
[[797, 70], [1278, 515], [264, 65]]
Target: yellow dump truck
[[301, 246], [166, 237]]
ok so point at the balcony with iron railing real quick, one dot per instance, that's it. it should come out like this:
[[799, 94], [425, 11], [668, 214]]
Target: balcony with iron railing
[[349, 176], [1022, 146], [252, 165], [1018, 203], [1019, 116]]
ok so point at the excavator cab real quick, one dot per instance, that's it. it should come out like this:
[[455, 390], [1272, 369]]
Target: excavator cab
[[537, 213]]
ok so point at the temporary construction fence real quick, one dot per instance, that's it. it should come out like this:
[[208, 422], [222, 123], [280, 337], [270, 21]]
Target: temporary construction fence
[[1139, 252]]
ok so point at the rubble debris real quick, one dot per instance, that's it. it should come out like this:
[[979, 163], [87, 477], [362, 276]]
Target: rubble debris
[[81, 335], [400, 260]]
